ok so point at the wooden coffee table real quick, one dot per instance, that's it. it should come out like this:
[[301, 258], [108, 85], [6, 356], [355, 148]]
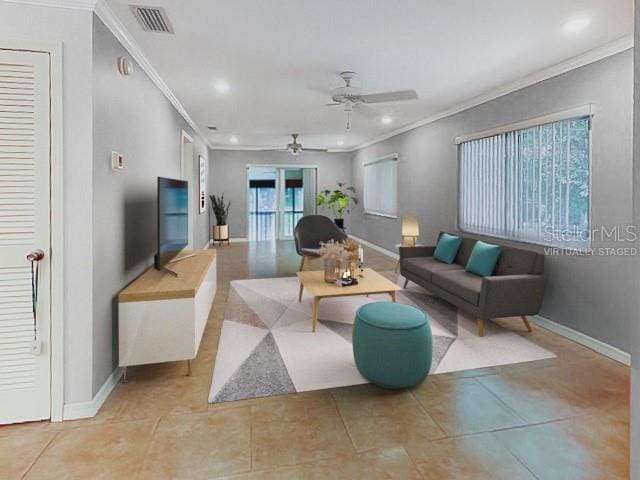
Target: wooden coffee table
[[370, 283]]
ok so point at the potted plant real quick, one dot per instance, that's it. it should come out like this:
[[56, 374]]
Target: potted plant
[[339, 201], [221, 212]]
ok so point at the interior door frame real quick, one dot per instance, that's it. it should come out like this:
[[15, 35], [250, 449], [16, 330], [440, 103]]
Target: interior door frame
[[54, 50], [187, 173]]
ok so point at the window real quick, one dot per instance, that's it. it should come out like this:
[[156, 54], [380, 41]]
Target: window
[[293, 205], [530, 184], [380, 186]]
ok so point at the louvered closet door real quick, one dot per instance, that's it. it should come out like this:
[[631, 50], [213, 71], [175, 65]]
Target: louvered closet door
[[24, 226]]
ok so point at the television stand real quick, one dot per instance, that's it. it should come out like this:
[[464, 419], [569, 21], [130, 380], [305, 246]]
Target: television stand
[[174, 260], [169, 271], [183, 257], [162, 317]]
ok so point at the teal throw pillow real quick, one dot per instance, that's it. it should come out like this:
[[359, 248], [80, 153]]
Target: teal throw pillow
[[447, 248], [483, 259]]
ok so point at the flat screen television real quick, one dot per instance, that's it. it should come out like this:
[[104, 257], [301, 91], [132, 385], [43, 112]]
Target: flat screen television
[[173, 219]]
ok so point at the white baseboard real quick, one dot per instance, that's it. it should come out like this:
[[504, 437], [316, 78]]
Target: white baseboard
[[207, 245], [238, 240], [377, 248], [603, 348], [73, 411]]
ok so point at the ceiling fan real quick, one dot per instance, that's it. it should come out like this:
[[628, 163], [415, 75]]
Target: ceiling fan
[[351, 98], [296, 148]]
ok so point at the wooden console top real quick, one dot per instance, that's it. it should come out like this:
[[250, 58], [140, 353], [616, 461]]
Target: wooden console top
[[157, 285]]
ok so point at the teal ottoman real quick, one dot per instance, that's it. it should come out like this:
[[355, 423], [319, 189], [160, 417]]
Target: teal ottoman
[[392, 344]]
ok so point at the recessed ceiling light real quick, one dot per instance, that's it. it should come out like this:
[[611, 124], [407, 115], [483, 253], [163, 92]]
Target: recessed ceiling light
[[233, 139], [576, 25], [340, 143], [386, 120], [221, 86]]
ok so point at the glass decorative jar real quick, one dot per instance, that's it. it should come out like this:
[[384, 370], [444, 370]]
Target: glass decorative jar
[[331, 270]]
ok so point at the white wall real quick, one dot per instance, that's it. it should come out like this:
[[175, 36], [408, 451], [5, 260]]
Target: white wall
[[73, 29]]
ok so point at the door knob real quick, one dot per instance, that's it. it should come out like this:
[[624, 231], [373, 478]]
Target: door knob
[[35, 255]]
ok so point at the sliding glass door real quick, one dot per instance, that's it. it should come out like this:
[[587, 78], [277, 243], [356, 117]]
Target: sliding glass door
[[276, 201], [262, 200], [292, 195]]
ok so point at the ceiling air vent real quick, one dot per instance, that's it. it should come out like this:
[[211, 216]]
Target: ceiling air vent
[[213, 128], [152, 19]]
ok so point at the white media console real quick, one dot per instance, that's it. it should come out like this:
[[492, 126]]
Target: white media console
[[162, 317]]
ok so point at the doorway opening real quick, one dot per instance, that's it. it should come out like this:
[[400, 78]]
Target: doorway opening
[[187, 173]]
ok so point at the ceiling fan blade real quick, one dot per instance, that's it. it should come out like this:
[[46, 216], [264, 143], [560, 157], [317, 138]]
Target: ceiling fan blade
[[398, 96], [314, 149], [366, 110]]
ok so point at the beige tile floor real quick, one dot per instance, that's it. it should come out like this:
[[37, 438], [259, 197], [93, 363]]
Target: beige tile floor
[[563, 418]]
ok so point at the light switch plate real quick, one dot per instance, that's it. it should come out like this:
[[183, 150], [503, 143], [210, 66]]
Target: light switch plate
[[117, 161]]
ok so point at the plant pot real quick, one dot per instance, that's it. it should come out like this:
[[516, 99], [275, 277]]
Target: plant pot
[[339, 223], [221, 233]]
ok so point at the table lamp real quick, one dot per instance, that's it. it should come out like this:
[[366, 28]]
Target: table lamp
[[410, 231]]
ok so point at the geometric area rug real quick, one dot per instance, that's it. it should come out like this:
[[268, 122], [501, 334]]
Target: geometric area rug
[[266, 345]]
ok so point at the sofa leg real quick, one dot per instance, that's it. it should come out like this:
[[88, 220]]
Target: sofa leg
[[406, 282], [526, 323], [480, 327]]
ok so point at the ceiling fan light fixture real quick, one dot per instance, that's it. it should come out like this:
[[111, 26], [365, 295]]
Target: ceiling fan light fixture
[[386, 120], [340, 142]]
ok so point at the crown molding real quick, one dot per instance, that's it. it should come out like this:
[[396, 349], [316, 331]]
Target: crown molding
[[108, 17], [113, 23], [258, 148], [591, 56], [72, 4], [599, 53]]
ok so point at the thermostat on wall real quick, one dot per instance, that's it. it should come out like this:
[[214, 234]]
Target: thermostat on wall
[[117, 161]]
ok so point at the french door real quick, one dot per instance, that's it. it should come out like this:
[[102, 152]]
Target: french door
[[275, 202], [25, 350]]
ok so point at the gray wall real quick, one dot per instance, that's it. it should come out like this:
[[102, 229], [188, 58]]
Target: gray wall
[[132, 117], [228, 175], [73, 29], [635, 278], [588, 294]]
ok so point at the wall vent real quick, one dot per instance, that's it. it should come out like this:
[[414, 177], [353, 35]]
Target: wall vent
[[152, 19]]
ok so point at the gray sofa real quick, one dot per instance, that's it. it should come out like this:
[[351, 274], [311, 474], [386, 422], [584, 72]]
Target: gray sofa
[[516, 287]]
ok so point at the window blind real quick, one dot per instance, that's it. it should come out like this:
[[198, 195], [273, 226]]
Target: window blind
[[380, 187], [530, 185]]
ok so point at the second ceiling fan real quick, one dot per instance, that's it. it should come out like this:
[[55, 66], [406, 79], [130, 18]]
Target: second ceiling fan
[[352, 98], [295, 148]]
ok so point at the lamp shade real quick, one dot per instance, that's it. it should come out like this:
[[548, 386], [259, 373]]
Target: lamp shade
[[410, 227]]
